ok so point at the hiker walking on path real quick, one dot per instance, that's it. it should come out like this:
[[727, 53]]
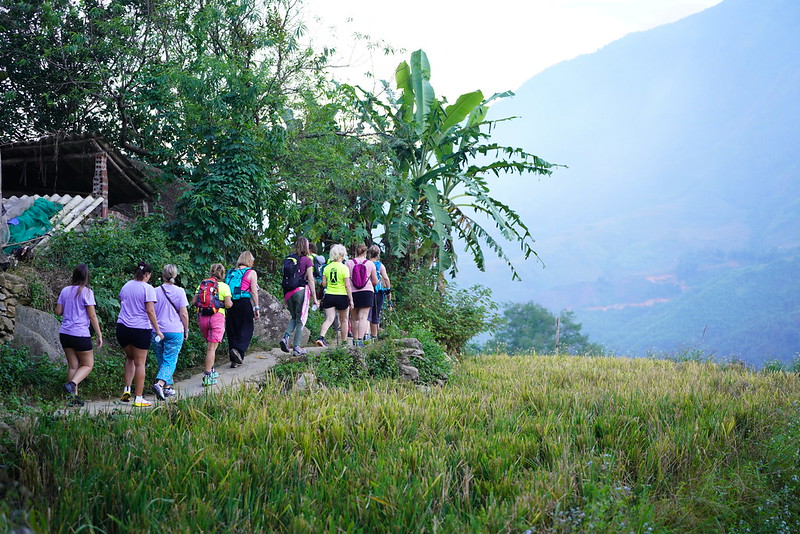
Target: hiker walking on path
[[135, 326], [212, 298], [381, 289], [298, 284], [240, 319], [173, 318], [338, 297], [363, 279], [76, 304]]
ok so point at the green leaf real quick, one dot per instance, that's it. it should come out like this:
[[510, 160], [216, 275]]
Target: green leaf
[[422, 89]]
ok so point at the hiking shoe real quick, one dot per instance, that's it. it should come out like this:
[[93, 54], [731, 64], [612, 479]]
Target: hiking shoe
[[208, 380], [126, 396], [158, 389], [141, 402], [169, 391], [236, 356], [76, 401], [214, 374], [234, 365], [70, 388], [321, 342], [300, 351], [285, 343]]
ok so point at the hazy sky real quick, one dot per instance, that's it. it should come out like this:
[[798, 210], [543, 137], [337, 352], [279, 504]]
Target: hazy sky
[[493, 46]]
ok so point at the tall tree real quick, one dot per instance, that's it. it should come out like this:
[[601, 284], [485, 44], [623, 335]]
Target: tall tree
[[528, 327], [443, 158]]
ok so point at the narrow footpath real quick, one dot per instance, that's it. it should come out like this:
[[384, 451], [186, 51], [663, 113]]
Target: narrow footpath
[[253, 368]]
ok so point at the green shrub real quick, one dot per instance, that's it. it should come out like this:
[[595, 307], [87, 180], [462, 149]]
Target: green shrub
[[337, 367], [773, 366], [794, 367], [382, 360], [436, 364], [29, 377], [288, 372], [452, 315]]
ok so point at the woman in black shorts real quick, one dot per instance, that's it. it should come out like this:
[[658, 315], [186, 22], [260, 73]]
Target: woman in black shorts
[[76, 304], [135, 325], [338, 294]]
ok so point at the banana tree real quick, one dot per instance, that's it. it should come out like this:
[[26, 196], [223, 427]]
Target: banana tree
[[443, 159]]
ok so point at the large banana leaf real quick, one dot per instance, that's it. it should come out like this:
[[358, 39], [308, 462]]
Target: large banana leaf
[[406, 101], [463, 106], [422, 89]]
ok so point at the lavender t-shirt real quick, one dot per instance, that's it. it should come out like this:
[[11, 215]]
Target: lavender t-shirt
[[76, 320], [168, 319], [132, 297]]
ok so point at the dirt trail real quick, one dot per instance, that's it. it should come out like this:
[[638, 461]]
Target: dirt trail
[[255, 365]]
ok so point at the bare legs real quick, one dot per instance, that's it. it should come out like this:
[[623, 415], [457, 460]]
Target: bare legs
[[79, 365], [211, 355], [135, 360], [360, 325]]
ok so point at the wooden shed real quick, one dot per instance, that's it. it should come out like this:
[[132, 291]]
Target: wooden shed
[[83, 165]]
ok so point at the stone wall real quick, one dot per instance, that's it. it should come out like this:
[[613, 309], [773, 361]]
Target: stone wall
[[11, 288]]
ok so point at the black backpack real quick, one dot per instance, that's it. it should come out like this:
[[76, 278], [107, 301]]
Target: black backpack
[[292, 277]]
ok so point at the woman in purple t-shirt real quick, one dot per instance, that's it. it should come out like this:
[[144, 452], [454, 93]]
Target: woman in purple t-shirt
[[173, 318], [76, 303], [135, 324]]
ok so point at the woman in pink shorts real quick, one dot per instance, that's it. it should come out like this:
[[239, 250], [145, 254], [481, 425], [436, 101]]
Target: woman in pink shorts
[[211, 317]]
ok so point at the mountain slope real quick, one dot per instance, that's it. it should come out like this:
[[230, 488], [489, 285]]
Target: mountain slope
[[679, 140]]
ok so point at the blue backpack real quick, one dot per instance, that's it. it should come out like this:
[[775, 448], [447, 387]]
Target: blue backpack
[[234, 278]]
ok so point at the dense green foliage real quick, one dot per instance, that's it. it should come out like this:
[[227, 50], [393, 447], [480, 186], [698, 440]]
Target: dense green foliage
[[224, 97], [451, 315], [552, 444], [531, 328]]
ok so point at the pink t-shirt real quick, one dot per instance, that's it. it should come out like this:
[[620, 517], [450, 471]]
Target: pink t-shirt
[[76, 320], [132, 297], [370, 270], [169, 320]]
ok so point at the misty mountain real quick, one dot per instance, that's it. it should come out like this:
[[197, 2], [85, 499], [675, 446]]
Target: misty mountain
[[681, 146]]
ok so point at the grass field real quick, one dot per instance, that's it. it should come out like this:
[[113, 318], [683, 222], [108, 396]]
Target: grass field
[[539, 444]]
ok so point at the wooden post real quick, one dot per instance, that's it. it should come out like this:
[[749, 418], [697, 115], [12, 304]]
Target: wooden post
[[558, 331], [100, 182]]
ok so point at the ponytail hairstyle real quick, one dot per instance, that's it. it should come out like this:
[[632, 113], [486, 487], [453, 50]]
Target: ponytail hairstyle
[[168, 273], [80, 278], [217, 271], [301, 246], [142, 269], [361, 249]]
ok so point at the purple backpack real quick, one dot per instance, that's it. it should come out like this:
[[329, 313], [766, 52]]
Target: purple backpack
[[359, 275]]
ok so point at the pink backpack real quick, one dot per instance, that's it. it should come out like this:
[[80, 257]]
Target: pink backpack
[[359, 276]]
